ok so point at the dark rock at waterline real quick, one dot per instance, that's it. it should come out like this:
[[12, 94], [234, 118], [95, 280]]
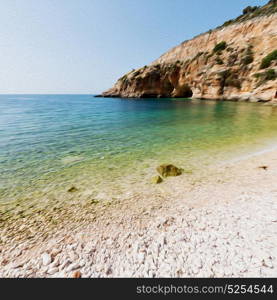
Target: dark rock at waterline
[[168, 170]]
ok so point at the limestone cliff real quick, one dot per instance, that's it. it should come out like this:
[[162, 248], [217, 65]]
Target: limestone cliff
[[237, 61]]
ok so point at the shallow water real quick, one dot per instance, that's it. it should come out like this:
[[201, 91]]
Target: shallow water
[[54, 141]]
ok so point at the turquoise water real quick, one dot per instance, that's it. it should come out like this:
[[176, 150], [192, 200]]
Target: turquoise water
[[52, 140]]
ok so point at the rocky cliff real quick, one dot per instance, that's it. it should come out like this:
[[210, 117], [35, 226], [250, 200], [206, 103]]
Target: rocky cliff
[[236, 61]]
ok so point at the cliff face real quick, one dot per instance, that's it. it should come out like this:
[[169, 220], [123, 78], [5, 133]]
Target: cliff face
[[235, 62]]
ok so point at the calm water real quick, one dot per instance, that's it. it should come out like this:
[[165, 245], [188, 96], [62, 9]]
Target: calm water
[[48, 140]]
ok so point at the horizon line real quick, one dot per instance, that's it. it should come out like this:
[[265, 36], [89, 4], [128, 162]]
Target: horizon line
[[49, 93]]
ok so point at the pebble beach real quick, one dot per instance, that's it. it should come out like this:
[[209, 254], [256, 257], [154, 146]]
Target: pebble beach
[[221, 222]]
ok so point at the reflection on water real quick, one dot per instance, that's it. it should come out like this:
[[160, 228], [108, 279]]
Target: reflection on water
[[46, 141]]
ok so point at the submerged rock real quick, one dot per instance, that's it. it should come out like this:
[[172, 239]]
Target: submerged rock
[[72, 159], [73, 189], [167, 170], [156, 180]]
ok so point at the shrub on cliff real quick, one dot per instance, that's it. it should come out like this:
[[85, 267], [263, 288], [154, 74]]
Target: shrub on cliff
[[220, 47], [249, 56], [248, 59], [270, 74], [266, 62], [251, 12], [227, 23], [219, 61], [263, 77], [249, 9]]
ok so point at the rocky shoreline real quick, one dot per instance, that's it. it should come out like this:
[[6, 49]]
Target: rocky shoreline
[[218, 223]]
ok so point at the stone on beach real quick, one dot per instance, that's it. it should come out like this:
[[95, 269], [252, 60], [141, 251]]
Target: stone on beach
[[168, 170], [264, 168], [77, 275], [46, 259]]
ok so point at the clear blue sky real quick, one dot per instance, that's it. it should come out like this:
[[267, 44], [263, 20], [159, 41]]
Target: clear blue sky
[[84, 46]]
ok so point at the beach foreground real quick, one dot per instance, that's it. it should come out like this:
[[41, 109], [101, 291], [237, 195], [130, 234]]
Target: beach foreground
[[221, 222]]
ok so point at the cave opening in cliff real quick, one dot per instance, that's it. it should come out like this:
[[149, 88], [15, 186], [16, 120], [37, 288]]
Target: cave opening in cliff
[[186, 92]]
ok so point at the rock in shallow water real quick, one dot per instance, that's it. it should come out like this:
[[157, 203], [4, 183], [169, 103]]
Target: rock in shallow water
[[73, 189], [156, 180], [167, 170]]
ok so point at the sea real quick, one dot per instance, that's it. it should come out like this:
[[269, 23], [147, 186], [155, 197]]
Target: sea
[[53, 142]]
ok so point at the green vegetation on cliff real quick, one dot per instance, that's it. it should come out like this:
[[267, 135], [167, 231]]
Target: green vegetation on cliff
[[220, 47], [248, 56], [251, 12], [266, 62], [263, 77]]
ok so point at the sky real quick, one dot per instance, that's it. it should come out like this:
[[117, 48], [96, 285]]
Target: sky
[[84, 46]]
